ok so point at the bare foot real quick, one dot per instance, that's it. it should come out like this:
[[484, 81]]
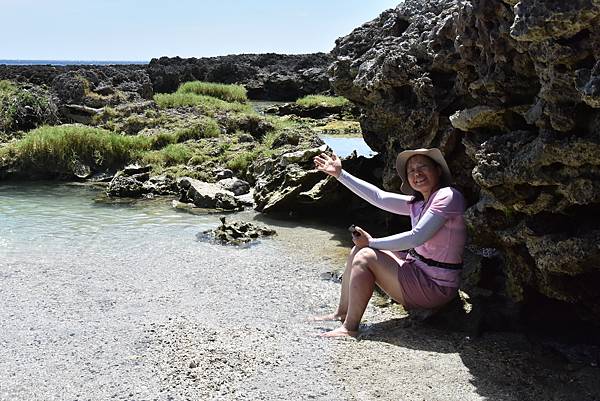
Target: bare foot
[[329, 317], [339, 332]]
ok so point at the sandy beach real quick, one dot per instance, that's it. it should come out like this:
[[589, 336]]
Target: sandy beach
[[146, 312]]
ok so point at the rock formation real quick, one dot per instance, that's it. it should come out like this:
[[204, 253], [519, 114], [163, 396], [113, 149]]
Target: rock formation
[[509, 91], [265, 76], [207, 195], [135, 181], [236, 233]]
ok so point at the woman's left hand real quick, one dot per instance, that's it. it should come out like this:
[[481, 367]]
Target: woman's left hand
[[361, 238]]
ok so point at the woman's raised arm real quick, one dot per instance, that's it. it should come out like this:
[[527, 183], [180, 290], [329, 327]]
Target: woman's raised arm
[[389, 201]]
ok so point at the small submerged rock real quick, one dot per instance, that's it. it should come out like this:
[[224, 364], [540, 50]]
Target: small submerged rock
[[236, 233]]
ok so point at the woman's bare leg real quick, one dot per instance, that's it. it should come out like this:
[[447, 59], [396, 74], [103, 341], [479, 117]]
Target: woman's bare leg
[[369, 266], [342, 308]]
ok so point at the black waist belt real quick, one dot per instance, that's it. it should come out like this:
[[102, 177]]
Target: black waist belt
[[431, 262]]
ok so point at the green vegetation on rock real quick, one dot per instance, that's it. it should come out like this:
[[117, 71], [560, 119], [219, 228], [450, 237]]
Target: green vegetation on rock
[[24, 108], [208, 104], [200, 128], [322, 101], [7, 86], [168, 156], [229, 93], [342, 128], [204, 127], [242, 160], [58, 148], [209, 97]]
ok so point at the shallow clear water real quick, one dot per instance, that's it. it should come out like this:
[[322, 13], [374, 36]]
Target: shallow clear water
[[37, 219], [343, 147]]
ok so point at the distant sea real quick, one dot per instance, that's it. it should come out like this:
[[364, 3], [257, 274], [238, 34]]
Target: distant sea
[[68, 62]]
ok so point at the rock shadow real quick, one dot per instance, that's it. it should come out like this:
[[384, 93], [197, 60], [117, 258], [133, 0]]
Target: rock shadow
[[506, 366]]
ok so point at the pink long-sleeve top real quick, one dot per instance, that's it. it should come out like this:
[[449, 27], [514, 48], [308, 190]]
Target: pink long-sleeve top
[[438, 228]]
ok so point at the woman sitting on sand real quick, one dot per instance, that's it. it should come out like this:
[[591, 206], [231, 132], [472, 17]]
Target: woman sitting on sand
[[419, 268]]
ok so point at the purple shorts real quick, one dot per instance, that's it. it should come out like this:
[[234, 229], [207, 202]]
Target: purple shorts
[[418, 290]]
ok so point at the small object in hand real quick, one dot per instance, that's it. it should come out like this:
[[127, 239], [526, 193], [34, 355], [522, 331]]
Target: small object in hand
[[353, 230]]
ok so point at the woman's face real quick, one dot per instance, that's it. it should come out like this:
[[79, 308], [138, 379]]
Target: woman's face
[[423, 174]]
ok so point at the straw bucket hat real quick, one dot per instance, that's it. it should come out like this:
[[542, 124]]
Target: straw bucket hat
[[434, 154]]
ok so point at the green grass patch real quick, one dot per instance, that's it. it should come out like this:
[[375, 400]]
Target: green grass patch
[[7, 86], [162, 139], [168, 156], [207, 104], [57, 148], [229, 93], [342, 128], [270, 137], [242, 160], [322, 101], [205, 127]]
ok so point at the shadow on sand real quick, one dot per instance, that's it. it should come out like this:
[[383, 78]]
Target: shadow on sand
[[504, 366]]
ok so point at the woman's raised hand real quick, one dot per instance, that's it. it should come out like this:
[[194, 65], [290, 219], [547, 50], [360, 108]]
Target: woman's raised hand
[[331, 165]]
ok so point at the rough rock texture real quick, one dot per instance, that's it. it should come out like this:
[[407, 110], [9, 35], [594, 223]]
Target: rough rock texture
[[44, 74], [101, 87], [511, 96], [265, 76], [235, 185], [283, 182], [290, 184], [237, 233], [135, 181], [207, 195], [80, 90], [317, 111]]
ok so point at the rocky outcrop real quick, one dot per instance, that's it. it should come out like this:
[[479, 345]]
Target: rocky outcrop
[[236, 233], [235, 185], [102, 87], [265, 76], [316, 112], [24, 107], [291, 185], [510, 95], [135, 181], [80, 90], [207, 195], [43, 75]]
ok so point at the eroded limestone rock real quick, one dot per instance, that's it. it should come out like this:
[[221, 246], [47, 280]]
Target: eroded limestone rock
[[237, 233], [135, 181], [510, 95], [207, 195]]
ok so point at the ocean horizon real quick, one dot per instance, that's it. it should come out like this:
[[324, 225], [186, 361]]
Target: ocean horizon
[[69, 62]]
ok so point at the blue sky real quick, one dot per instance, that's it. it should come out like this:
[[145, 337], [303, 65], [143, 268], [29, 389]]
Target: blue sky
[[142, 29]]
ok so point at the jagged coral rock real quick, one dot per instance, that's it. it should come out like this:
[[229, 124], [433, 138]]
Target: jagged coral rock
[[509, 91]]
